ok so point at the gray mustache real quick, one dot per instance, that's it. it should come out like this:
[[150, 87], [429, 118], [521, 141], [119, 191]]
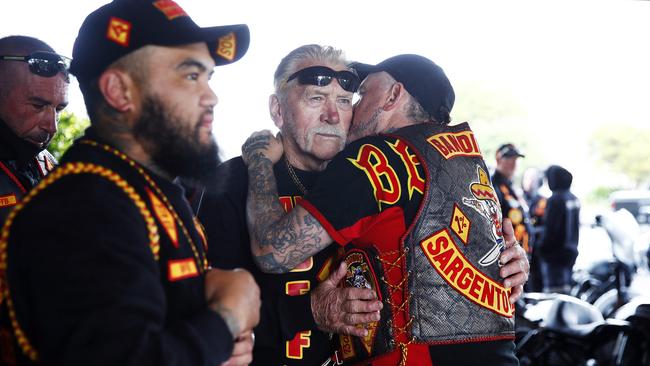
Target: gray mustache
[[328, 130]]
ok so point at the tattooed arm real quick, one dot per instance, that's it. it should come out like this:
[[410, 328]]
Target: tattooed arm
[[279, 241]]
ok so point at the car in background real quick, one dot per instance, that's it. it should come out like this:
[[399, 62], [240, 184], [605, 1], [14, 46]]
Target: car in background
[[635, 201]]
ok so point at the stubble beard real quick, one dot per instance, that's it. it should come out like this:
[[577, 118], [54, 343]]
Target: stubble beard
[[362, 129]]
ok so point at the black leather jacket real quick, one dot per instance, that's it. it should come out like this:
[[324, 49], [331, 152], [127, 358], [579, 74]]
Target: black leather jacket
[[22, 166]]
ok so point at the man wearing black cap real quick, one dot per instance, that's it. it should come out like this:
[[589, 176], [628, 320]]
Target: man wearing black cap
[[33, 92], [513, 206], [413, 197], [116, 271]]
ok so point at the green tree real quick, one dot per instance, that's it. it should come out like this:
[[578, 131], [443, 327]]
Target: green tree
[[69, 128], [498, 116], [624, 149]]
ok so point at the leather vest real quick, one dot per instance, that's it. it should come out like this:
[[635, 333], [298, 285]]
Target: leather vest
[[456, 293], [12, 188], [453, 293]]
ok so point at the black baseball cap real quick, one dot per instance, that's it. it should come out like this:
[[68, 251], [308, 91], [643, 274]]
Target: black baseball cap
[[422, 78], [509, 150], [123, 26]]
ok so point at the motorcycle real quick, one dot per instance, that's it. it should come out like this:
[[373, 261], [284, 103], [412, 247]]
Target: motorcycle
[[608, 320], [558, 330], [607, 283]]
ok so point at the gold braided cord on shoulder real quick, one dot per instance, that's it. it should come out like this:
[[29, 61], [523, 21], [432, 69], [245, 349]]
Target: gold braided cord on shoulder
[[62, 171], [201, 263]]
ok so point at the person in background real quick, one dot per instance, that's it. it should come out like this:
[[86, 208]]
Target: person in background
[[558, 248], [115, 270], [531, 183], [513, 206], [33, 92]]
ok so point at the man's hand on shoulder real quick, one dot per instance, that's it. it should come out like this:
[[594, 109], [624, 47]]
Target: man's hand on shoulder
[[260, 145]]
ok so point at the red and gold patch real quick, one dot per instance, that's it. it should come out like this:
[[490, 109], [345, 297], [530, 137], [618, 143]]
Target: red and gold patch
[[8, 200], [410, 160], [227, 46], [460, 224], [451, 145], [347, 347], [297, 288], [444, 255], [295, 347], [181, 269], [170, 9], [482, 189], [119, 31], [325, 270], [361, 275], [165, 217], [381, 175], [305, 266]]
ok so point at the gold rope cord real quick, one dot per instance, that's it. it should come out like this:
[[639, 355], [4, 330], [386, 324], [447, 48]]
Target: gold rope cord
[[396, 308], [62, 171], [201, 263]]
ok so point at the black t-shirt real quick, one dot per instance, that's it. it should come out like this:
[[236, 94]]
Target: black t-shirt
[[369, 195], [287, 334]]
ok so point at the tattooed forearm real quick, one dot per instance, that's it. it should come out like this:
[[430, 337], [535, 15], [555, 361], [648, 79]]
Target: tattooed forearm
[[279, 241]]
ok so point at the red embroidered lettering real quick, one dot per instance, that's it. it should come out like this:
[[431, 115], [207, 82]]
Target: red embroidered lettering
[[415, 181], [375, 164]]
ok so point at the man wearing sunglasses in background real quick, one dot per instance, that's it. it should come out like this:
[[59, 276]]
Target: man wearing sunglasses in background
[[312, 107], [412, 196], [33, 92]]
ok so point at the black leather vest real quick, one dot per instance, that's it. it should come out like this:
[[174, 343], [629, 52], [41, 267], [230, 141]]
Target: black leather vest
[[455, 291], [15, 183]]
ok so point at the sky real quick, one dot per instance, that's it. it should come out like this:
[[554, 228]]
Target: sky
[[573, 65]]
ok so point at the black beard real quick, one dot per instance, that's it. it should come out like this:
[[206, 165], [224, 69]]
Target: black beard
[[172, 147]]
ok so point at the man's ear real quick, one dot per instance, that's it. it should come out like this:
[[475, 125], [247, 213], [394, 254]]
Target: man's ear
[[395, 94], [118, 89], [276, 110]]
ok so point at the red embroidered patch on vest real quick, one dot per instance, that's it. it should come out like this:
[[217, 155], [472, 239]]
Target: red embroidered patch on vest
[[181, 269], [8, 200], [165, 217], [445, 256], [361, 275], [460, 224], [451, 145]]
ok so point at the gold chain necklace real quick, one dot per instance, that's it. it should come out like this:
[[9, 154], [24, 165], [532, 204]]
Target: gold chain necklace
[[202, 263], [294, 177]]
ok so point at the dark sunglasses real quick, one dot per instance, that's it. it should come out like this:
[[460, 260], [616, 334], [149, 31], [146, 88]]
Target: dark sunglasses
[[322, 76], [44, 64]]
